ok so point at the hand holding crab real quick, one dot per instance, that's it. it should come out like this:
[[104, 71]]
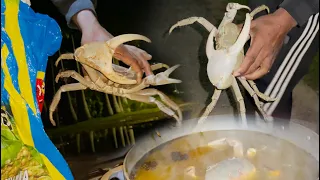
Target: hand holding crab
[[267, 36], [92, 31], [103, 76], [227, 55]]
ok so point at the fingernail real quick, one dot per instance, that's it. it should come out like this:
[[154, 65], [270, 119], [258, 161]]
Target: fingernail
[[242, 77], [236, 74], [149, 56]]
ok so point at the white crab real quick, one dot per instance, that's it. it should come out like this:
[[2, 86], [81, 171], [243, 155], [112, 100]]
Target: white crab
[[227, 56], [104, 76]]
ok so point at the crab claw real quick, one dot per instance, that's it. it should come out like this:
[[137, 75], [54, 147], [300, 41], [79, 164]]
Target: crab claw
[[243, 37], [236, 6], [118, 40], [113, 44], [209, 46], [163, 77], [98, 55], [128, 72]]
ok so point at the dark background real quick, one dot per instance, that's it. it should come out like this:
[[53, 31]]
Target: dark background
[[153, 18]]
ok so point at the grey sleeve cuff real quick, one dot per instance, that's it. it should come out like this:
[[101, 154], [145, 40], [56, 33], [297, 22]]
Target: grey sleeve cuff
[[301, 10], [77, 6]]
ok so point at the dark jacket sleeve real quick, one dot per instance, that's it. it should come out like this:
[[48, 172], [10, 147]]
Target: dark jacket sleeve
[[69, 8], [301, 10]]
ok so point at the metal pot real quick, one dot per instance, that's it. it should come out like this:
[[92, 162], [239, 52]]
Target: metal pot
[[299, 135]]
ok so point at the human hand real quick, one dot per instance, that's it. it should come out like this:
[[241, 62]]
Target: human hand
[[92, 31], [267, 36]]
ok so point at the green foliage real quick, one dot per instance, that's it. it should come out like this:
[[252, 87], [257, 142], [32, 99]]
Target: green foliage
[[95, 101]]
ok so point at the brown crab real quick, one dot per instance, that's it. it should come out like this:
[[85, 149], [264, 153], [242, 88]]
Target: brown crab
[[104, 76]]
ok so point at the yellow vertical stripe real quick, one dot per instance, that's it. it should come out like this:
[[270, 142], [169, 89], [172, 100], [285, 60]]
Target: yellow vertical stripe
[[17, 104], [40, 75], [20, 113], [13, 31], [54, 173]]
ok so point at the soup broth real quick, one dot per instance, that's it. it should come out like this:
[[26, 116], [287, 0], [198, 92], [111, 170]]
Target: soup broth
[[274, 158]]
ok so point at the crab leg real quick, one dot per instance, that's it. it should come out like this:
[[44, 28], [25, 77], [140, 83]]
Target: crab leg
[[93, 84], [75, 75], [260, 94], [159, 66], [130, 71], [164, 98], [232, 9], [254, 96], [162, 78], [236, 6], [57, 97], [66, 74], [139, 96], [259, 9], [68, 56], [205, 23], [240, 100], [210, 107], [158, 79], [150, 99]]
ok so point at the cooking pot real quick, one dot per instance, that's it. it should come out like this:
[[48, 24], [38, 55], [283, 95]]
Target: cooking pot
[[298, 135]]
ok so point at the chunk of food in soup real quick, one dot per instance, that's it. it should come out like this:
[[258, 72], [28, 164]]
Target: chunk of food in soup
[[191, 158]]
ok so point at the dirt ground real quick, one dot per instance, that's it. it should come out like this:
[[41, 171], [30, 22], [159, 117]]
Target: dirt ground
[[305, 106]]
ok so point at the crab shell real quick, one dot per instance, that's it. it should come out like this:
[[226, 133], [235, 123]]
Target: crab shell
[[223, 61], [98, 55]]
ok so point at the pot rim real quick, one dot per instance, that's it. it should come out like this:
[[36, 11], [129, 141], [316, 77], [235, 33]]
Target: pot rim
[[235, 126]]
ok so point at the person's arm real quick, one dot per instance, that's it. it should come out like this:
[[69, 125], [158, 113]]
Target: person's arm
[[69, 8], [81, 15], [301, 10]]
